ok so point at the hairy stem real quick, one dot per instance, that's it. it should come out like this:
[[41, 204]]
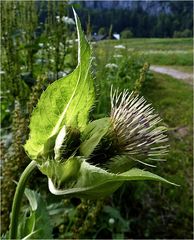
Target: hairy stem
[[18, 197]]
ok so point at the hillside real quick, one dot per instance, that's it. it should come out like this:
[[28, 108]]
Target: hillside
[[142, 18], [152, 7]]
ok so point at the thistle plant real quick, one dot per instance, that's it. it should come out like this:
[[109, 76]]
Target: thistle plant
[[89, 159]]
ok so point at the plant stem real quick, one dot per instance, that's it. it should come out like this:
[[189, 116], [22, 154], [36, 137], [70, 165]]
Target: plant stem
[[18, 197]]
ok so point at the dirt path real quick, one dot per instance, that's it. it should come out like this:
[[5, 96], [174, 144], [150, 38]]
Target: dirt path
[[186, 77]]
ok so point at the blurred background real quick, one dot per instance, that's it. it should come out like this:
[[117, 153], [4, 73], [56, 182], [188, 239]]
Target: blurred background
[[144, 46]]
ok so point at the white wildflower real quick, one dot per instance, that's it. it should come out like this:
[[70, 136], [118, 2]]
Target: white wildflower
[[111, 66], [70, 41], [111, 221], [41, 45], [40, 61], [117, 56], [23, 67], [67, 20], [52, 48], [62, 74], [2, 72], [119, 47], [58, 18]]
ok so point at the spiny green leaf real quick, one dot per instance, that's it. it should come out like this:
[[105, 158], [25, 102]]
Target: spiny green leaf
[[67, 101], [94, 182]]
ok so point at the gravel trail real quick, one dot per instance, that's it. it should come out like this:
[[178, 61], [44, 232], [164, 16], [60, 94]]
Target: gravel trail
[[186, 77]]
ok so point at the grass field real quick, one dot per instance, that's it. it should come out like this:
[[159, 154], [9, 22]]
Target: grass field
[[166, 211], [186, 69], [173, 100], [159, 43], [156, 50]]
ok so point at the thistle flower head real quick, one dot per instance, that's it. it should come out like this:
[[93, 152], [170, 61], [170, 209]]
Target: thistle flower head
[[136, 127]]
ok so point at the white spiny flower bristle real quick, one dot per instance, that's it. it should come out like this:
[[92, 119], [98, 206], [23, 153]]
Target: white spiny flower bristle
[[136, 127]]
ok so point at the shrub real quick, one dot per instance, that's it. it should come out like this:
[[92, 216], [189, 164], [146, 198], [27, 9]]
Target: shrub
[[184, 34], [102, 31], [125, 34]]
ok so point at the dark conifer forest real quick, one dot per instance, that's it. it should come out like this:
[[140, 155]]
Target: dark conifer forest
[[143, 19]]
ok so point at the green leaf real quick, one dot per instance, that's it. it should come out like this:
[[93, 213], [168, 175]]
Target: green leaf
[[35, 225], [56, 212], [67, 101], [138, 174], [94, 182], [62, 172], [92, 135]]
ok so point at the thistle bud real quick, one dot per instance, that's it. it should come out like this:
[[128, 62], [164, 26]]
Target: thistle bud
[[136, 128]]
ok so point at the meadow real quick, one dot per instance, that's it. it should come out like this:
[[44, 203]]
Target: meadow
[[34, 56], [161, 51], [162, 209]]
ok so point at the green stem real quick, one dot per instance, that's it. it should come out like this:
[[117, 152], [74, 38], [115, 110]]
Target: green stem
[[18, 197]]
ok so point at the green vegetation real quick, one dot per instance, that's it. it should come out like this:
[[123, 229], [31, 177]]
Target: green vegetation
[[158, 205], [175, 107], [34, 54], [32, 61], [184, 34], [102, 31], [186, 69], [125, 34], [157, 51]]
